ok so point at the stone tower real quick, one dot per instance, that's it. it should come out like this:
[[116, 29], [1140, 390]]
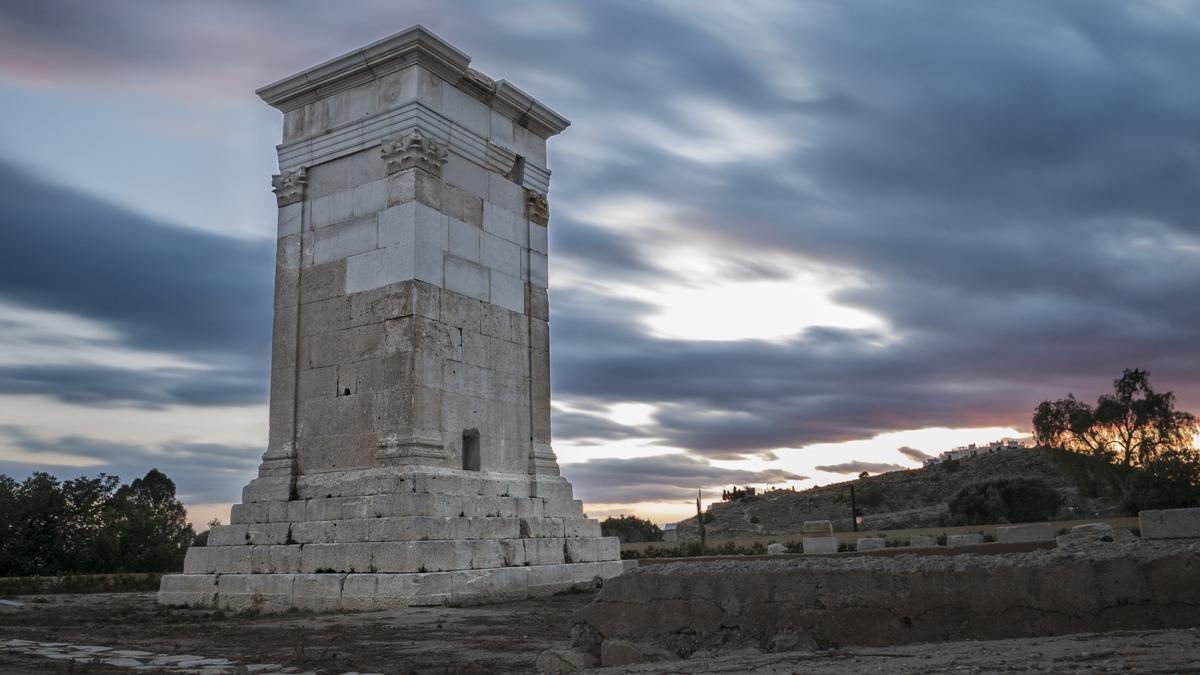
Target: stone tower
[[409, 459]]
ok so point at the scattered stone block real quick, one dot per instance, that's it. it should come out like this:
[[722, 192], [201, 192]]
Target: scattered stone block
[[820, 545], [871, 543], [922, 541], [817, 528], [1011, 534], [776, 549], [964, 539], [1170, 524]]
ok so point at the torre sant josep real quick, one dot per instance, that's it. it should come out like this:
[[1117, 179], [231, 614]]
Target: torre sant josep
[[409, 459]]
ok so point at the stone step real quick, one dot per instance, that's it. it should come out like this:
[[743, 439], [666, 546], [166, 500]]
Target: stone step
[[368, 482], [398, 556], [372, 591], [403, 504], [403, 528]]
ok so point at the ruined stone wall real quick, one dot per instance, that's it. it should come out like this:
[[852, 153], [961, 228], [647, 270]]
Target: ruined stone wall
[[798, 604]]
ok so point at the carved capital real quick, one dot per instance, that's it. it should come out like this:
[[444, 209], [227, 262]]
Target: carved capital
[[289, 186], [410, 151], [537, 207]]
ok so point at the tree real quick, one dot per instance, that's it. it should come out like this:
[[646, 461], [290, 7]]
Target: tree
[[89, 525], [1136, 429], [1133, 426], [155, 533]]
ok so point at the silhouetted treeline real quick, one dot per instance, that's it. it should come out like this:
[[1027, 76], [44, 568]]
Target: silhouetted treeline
[[630, 529], [91, 525]]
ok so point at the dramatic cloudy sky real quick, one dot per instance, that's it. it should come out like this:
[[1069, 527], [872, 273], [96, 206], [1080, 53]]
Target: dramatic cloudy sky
[[791, 240]]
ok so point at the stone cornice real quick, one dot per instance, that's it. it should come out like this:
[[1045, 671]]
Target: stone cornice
[[527, 110], [415, 45], [370, 131]]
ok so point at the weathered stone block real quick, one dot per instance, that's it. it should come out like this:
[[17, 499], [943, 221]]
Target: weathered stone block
[[964, 539], [217, 560], [194, 590], [817, 528], [283, 559], [260, 592], [922, 541], [1008, 534], [331, 558], [1170, 524], [227, 535], [317, 592], [491, 585], [870, 543], [820, 545]]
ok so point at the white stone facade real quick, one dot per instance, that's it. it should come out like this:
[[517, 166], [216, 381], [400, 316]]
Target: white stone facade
[[409, 459]]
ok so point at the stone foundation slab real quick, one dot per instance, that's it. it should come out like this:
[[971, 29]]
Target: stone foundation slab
[[372, 591], [1170, 524]]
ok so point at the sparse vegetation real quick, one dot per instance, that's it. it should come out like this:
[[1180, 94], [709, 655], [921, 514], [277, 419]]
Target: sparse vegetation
[[737, 493], [1005, 500], [914, 499], [630, 529], [694, 549]]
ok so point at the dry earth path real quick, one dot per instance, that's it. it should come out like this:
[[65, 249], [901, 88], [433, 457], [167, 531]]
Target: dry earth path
[[496, 639]]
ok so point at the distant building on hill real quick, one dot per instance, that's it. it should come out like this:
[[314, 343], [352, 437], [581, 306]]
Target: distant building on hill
[[974, 450], [669, 533]]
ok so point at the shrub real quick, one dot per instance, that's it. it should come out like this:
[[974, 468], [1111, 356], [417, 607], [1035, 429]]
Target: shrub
[[1000, 500], [630, 529]]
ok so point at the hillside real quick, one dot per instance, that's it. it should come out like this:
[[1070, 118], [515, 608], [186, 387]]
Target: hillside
[[912, 498]]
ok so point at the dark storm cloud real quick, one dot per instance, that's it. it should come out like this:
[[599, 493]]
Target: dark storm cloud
[[204, 473], [1017, 187], [857, 467], [164, 289], [659, 478], [1014, 184], [577, 426], [141, 387], [914, 454], [598, 251]]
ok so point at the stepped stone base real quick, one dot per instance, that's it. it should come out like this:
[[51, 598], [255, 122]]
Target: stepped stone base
[[398, 536], [327, 592]]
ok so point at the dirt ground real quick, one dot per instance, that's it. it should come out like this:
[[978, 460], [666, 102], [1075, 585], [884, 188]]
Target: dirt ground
[[508, 638], [493, 639]]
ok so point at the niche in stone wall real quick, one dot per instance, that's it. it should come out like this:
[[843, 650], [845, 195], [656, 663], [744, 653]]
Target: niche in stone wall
[[470, 450]]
